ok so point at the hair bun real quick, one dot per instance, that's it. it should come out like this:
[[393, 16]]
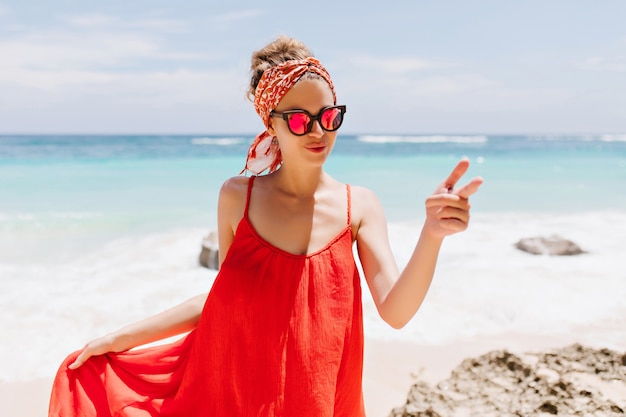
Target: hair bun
[[276, 52]]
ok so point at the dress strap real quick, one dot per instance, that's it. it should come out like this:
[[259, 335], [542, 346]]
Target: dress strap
[[349, 205], [250, 181]]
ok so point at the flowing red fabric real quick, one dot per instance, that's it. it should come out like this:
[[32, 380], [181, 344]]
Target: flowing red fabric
[[274, 84], [280, 335]]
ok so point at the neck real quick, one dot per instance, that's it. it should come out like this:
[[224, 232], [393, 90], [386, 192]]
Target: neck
[[300, 182]]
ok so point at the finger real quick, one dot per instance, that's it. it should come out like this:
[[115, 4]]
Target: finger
[[451, 200], [81, 358], [78, 362], [452, 213], [470, 188], [453, 225], [459, 170]]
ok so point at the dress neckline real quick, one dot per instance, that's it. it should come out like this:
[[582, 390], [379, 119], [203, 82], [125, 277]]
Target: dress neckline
[[275, 248], [338, 236]]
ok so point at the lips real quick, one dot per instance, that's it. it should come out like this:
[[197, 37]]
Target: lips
[[317, 147]]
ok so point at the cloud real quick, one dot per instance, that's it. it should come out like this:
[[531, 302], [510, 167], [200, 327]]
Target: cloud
[[95, 58], [604, 64], [398, 65], [59, 50], [442, 86], [147, 88], [447, 89], [170, 25], [238, 16], [87, 101], [611, 58], [50, 81], [233, 21], [104, 21], [90, 20], [102, 50], [424, 82], [171, 88]]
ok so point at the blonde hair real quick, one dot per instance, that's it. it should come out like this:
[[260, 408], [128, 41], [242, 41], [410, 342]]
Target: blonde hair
[[276, 52]]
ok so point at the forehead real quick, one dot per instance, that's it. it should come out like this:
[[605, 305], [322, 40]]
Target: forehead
[[309, 94]]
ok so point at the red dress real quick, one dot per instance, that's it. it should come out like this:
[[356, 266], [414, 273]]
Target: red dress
[[280, 335]]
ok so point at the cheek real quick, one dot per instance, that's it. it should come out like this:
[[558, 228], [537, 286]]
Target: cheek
[[282, 132], [331, 138]]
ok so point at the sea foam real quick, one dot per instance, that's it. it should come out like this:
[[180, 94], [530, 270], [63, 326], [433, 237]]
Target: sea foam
[[423, 139], [483, 286], [217, 141]]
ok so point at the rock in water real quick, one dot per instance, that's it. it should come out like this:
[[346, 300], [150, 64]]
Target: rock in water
[[553, 245], [209, 256]]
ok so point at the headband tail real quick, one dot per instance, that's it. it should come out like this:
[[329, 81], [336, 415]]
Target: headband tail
[[262, 155]]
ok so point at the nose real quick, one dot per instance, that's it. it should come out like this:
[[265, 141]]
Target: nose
[[316, 129]]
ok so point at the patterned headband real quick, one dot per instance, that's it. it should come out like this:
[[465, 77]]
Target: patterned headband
[[273, 85]]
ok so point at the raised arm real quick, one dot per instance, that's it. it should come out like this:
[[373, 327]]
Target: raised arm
[[398, 296]]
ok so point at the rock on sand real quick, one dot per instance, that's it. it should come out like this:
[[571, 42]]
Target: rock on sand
[[572, 381]]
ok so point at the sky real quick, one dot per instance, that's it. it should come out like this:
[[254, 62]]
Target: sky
[[401, 67]]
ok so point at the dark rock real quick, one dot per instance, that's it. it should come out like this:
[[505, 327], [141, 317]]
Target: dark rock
[[209, 255], [553, 245], [549, 408]]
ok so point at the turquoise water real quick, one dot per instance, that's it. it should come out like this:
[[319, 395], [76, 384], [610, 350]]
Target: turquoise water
[[99, 185]]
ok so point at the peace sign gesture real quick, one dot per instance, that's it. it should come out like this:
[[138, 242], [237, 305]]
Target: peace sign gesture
[[447, 209]]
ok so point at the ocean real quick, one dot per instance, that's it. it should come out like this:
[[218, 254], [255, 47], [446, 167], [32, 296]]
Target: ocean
[[99, 231]]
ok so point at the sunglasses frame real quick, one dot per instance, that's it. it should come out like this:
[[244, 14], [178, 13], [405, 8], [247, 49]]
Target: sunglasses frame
[[285, 116]]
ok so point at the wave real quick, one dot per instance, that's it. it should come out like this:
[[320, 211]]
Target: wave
[[579, 138], [69, 215], [217, 141], [613, 138], [423, 139]]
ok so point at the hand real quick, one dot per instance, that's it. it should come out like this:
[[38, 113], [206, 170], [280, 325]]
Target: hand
[[447, 209], [99, 346]]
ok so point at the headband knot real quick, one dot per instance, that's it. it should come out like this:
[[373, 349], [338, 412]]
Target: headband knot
[[273, 85]]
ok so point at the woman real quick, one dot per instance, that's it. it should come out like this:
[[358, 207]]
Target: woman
[[281, 332]]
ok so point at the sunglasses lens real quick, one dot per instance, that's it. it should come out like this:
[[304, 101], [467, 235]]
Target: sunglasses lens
[[299, 123], [331, 119]]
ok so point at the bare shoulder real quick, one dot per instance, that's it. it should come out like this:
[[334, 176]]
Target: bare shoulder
[[232, 198], [362, 194], [365, 205], [234, 186]]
